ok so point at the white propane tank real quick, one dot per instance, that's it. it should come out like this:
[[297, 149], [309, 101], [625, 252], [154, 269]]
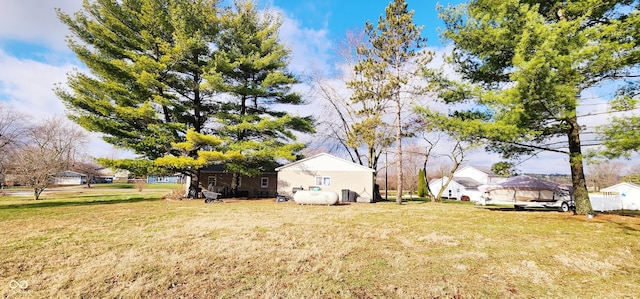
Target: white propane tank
[[306, 197]]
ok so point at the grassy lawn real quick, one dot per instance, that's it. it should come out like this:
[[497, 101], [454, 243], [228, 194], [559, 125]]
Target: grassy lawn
[[118, 242]]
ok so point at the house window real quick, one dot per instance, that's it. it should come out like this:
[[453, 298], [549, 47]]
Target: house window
[[264, 182], [211, 181], [323, 181]]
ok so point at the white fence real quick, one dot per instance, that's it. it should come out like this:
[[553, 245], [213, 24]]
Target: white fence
[[602, 202]]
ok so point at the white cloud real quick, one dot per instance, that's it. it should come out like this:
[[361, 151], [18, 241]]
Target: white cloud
[[36, 21], [310, 48], [27, 85]]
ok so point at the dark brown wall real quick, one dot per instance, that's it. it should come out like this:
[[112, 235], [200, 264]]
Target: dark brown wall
[[248, 185]]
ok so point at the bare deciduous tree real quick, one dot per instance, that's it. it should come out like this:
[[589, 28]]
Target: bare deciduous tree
[[86, 166], [605, 173], [12, 129], [457, 157], [51, 146], [351, 123], [413, 162]]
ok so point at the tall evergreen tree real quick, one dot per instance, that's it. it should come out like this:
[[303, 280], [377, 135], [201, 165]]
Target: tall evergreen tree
[[251, 67], [147, 60], [526, 63], [150, 64], [386, 68]]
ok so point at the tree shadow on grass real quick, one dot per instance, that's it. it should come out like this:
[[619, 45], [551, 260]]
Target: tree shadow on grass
[[512, 209], [44, 203]]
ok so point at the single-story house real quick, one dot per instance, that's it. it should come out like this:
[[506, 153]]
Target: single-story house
[[481, 174], [170, 179], [108, 175], [625, 189], [459, 188], [465, 182], [622, 196], [325, 172], [69, 178], [217, 178]]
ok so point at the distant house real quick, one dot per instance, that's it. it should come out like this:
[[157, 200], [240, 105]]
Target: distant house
[[171, 179], [622, 196], [69, 178], [465, 182], [327, 173], [625, 189], [108, 175], [217, 178]]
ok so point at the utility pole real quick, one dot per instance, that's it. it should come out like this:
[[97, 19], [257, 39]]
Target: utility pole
[[386, 166]]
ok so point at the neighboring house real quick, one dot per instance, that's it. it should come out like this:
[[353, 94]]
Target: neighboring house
[[465, 182], [69, 178], [217, 179], [630, 190], [481, 174], [327, 173], [459, 188], [108, 175], [622, 196], [171, 179]]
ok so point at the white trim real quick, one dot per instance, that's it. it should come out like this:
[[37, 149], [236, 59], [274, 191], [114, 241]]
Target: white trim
[[324, 155]]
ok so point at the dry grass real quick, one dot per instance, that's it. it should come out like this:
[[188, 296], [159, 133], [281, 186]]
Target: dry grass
[[135, 245]]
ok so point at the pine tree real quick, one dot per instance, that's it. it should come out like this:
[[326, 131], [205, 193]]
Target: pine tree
[[251, 67], [526, 64], [153, 78], [385, 69]]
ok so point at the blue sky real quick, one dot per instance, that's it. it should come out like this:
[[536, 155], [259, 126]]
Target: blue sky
[[34, 56], [338, 16]]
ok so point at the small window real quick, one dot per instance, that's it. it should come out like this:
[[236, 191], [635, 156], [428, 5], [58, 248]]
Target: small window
[[264, 182], [211, 180], [323, 181]]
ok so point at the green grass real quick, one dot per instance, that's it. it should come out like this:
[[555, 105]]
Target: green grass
[[132, 186], [123, 243]]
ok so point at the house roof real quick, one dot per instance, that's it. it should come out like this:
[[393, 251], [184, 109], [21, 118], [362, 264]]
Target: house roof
[[617, 187], [485, 169], [467, 182], [223, 168], [69, 173], [326, 162]]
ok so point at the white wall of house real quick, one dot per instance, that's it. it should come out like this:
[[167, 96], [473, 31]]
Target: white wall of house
[[67, 181], [453, 190], [623, 196], [630, 190], [327, 172], [69, 178]]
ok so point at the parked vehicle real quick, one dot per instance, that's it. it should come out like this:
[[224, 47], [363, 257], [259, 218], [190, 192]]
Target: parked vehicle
[[527, 192], [560, 203]]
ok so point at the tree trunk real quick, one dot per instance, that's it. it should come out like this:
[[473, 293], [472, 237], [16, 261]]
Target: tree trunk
[[235, 184], [36, 192], [194, 185], [399, 152], [580, 193]]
